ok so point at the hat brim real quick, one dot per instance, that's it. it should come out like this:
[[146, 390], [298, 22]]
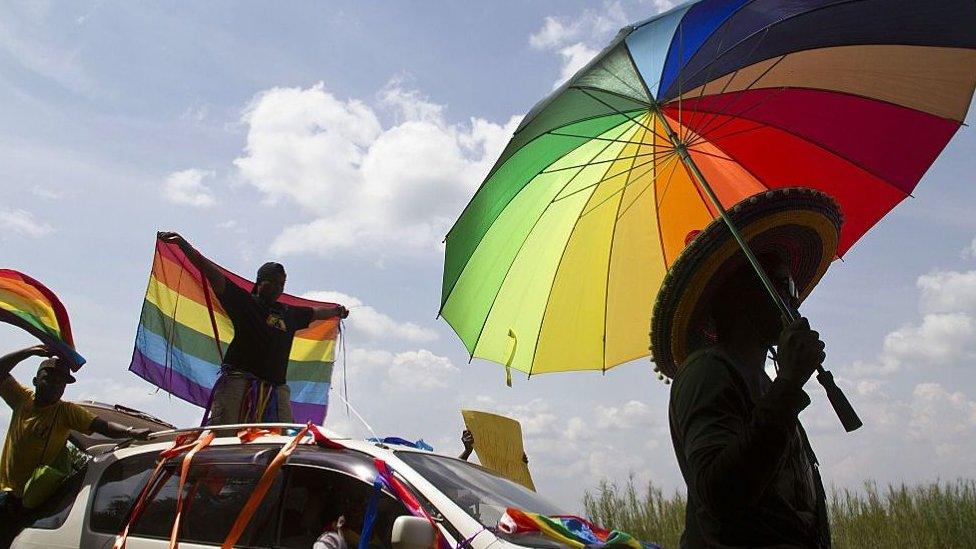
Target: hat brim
[[800, 224]]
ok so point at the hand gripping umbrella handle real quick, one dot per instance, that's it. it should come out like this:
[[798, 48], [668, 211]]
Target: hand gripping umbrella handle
[[838, 400]]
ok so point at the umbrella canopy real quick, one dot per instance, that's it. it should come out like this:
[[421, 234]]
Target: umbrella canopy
[[555, 263]]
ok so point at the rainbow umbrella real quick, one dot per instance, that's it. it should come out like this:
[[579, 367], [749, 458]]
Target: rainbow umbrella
[[555, 263]]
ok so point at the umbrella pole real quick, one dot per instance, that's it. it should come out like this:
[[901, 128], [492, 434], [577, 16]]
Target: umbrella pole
[[842, 407]]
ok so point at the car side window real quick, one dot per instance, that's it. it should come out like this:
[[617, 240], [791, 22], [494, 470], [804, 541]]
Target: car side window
[[316, 497], [53, 512], [117, 489], [217, 487]]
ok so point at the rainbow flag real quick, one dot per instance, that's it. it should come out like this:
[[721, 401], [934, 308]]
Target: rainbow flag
[[184, 332], [575, 532], [28, 304]]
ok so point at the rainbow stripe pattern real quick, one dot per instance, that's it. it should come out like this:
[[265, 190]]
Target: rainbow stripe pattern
[[555, 263], [28, 304], [184, 332], [572, 531]]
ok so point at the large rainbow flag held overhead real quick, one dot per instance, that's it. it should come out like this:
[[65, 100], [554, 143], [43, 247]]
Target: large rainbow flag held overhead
[[28, 304], [182, 321]]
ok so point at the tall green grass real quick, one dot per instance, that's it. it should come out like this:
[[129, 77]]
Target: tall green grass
[[937, 514]]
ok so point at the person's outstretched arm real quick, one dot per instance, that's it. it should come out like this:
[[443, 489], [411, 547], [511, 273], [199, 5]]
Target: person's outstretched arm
[[323, 313], [216, 278], [9, 361]]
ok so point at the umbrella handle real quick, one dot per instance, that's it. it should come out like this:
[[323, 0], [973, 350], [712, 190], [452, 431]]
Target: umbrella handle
[[838, 400]]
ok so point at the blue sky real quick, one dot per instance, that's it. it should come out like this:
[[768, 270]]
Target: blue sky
[[342, 139]]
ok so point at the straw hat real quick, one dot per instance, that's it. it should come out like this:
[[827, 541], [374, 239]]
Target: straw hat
[[797, 223]]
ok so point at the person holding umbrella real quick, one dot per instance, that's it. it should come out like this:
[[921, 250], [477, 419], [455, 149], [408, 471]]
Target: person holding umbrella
[[752, 476]]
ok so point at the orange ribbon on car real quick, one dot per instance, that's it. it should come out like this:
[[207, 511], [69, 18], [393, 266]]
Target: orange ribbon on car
[[201, 443], [180, 445], [264, 484]]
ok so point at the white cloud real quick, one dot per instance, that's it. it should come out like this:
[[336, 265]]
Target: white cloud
[[403, 372], [945, 334], [187, 187], [575, 57], [22, 222], [373, 323], [420, 370], [578, 39], [948, 291], [633, 414], [366, 187], [591, 25], [47, 193]]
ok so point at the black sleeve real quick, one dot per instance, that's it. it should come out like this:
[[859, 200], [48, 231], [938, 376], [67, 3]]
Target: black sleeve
[[301, 317], [235, 300], [732, 453]]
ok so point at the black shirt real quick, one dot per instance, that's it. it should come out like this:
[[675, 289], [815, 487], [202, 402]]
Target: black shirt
[[262, 335], [751, 474]]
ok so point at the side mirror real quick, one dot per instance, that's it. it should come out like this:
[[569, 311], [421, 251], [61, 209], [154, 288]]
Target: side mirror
[[412, 533]]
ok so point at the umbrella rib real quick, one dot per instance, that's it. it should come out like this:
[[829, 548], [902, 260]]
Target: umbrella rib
[[521, 247], [820, 146], [564, 168], [669, 146], [623, 125], [492, 171], [698, 141], [562, 256], [704, 137], [613, 238], [711, 73], [667, 185], [621, 80], [597, 99], [649, 185], [602, 180], [705, 129], [713, 155], [731, 102], [584, 88], [629, 172], [765, 30]]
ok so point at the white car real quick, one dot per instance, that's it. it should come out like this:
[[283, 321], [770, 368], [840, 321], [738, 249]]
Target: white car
[[314, 487]]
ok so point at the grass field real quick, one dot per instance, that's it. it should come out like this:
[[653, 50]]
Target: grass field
[[937, 514]]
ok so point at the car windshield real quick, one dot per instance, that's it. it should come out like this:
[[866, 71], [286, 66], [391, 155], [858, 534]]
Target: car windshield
[[480, 492]]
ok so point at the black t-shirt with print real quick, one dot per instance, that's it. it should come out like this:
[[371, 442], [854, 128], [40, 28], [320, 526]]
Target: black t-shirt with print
[[262, 335]]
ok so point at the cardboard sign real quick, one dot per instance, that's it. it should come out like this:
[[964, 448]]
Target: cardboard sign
[[498, 444]]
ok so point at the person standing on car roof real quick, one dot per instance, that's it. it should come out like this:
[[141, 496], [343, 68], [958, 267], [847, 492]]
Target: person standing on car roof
[[39, 427], [264, 329]]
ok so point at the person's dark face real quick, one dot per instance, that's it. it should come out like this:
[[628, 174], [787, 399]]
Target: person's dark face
[[768, 318], [270, 289], [746, 296], [49, 386]]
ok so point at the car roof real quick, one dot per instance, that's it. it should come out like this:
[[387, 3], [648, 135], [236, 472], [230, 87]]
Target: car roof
[[227, 437]]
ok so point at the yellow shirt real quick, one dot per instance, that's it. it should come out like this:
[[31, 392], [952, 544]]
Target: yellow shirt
[[29, 428]]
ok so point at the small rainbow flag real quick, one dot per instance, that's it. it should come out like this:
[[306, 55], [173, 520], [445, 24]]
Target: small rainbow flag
[[572, 531], [182, 322], [28, 304]]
